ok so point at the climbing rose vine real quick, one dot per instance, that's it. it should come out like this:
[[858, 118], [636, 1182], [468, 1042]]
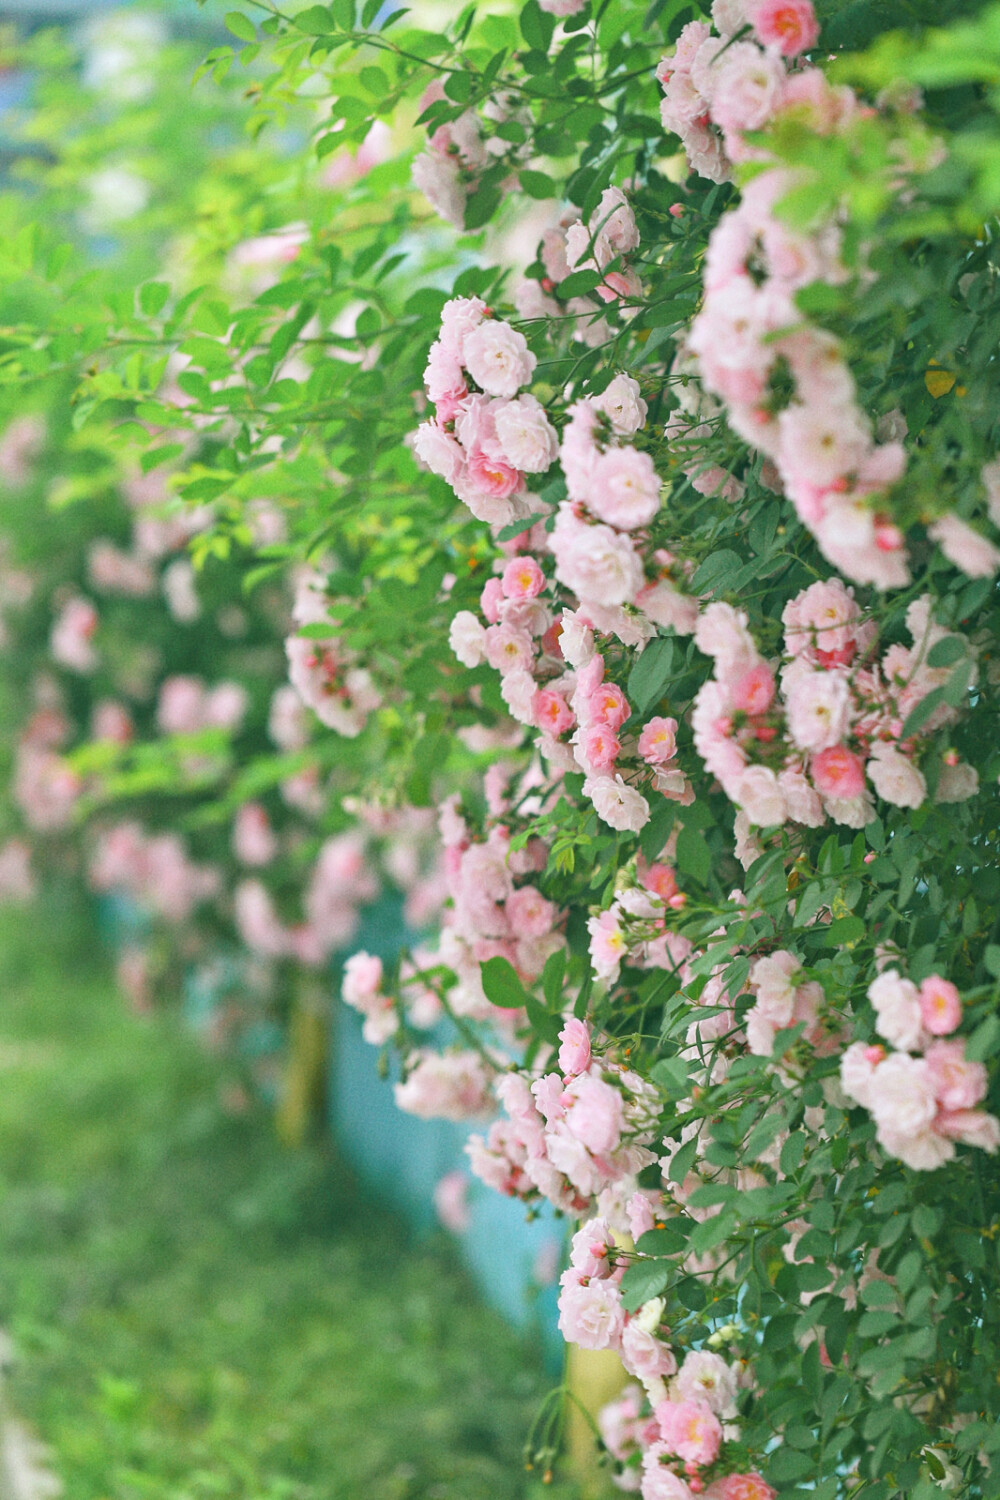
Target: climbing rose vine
[[623, 410]]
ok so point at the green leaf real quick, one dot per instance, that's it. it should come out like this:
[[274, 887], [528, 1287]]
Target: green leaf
[[984, 1041], [918, 716], [240, 25], [153, 296], [844, 932], [537, 184], [950, 649], [315, 20], [501, 985], [650, 674], [682, 1161], [516, 528], [481, 207], [694, 857], [643, 1280], [714, 573], [537, 27], [552, 978], [671, 1075], [579, 284]]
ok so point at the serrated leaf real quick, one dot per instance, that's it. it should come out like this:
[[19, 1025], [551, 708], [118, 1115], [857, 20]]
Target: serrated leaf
[[650, 674], [240, 25], [716, 571], [643, 1280], [501, 984]]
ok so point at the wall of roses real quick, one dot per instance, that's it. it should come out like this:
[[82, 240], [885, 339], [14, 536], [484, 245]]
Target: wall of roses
[[509, 503]]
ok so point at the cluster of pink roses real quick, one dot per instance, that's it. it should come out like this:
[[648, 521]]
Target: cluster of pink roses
[[458, 151], [45, 788], [340, 882], [154, 869], [921, 1104], [568, 1135], [630, 1430], [485, 437], [340, 693], [801, 746], [187, 706], [716, 86]]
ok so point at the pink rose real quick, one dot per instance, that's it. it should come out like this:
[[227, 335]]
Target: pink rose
[[595, 1114], [690, 1430], [574, 1053], [753, 692], [957, 1083], [788, 25], [837, 772], [940, 1005], [658, 741], [522, 578], [551, 712]]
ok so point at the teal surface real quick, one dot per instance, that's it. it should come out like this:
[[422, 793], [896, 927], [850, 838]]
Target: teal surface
[[513, 1253]]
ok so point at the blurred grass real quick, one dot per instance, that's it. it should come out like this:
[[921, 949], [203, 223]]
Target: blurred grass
[[198, 1313]]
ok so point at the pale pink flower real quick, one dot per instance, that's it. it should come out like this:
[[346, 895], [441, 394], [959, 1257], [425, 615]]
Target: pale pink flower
[[802, 802], [903, 1101], [623, 405], [967, 548], [254, 842], [838, 773], [451, 1201], [362, 979], [818, 708], [596, 562], [690, 1430], [448, 1086], [527, 438], [790, 26], [592, 1315], [658, 1482], [498, 358], [644, 1355], [747, 88], [607, 944], [973, 1127], [753, 692], [958, 1083], [658, 741], [529, 913], [594, 1113], [467, 639], [940, 1005], [618, 805], [488, 478], [574, 1051], [707, 1377], [522, 578], [508, 649], [758, 793], [624, 488], [895, 777], [897, 1007]]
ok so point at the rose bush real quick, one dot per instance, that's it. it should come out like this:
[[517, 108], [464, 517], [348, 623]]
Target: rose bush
[[622, 382]]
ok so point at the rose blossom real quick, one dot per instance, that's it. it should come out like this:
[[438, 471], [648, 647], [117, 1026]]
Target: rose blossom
[[904, 1102], [690, 1430], [467, 639], [818, 708], [940, 1005], [623, 405], [590, 1316], [595, 1113], [758, 793], [753, 692], [551, 712], [708, 1378], [894, 777], [525, 434], [658, 741], [498, 358], [788, 25], [574, 1052], [624, 488], [522, 578], [529, 913], [618, 805], [897, 1006], [957, 1083], [740, 1487], [837, 772]]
